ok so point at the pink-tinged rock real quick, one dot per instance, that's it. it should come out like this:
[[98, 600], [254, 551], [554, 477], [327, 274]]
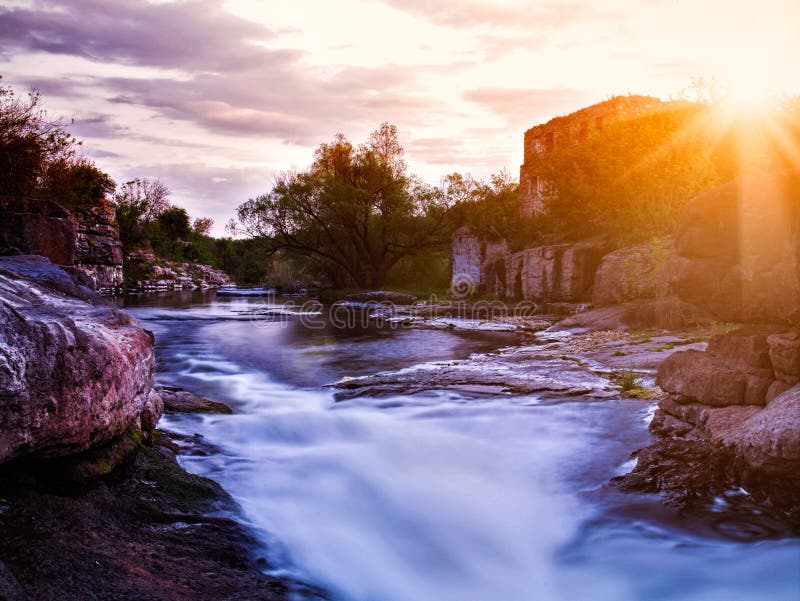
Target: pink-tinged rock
[[777, 388], [697, 376], [784, 353], [745, 349], [633, 273], [769, 441], [74, 370], [35, 226]]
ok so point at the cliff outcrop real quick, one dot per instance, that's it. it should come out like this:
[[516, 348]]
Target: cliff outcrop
[[98, 248], [555, 273], [737, 250], [87, 239], [37, 227], [736, 406], [75, 372]]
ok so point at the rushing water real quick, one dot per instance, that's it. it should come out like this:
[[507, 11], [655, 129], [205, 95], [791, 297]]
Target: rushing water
[[437, 496]]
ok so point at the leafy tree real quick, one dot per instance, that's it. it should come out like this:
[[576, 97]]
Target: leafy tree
[[139, 202], [75, 183], [490, 209], [38, 156], [203, 225], [174, 222], [355, 212]]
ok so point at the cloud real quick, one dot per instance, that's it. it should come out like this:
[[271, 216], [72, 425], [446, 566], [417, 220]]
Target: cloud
[[521, 105], [231, 83], [537, 16], [194, 35], [206, 190]]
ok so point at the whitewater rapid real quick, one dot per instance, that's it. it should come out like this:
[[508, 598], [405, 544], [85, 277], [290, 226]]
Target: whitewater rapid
[[438, 496]]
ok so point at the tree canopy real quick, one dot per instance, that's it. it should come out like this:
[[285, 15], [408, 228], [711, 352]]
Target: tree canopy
[[355, 212], [38, 156]]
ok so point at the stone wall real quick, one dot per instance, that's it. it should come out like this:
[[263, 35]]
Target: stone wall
[[98, 248], [568, 131], [554, 273], [470, 254]]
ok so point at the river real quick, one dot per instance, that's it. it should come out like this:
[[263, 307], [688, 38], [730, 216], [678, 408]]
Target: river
[[440, 495]]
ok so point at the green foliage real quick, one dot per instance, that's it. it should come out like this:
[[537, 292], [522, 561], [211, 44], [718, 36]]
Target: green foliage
[[490, 209], [139, 202], [38, 156], [628, 380], [76, 183], [354, 214], [629, 179]]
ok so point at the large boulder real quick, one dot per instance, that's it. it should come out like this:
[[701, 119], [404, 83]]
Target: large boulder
[[769, 442], [39, 227], [737, 250], [634, 272], [735, 369], [554, 273], [75, 371]]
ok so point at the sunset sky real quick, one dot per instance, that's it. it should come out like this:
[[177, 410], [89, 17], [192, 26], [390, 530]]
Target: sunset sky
[[215, 97]]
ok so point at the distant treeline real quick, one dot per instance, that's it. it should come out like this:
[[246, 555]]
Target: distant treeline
[[357, 218]]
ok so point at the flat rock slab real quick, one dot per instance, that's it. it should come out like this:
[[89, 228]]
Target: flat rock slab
[[524, 370], [178, 400]]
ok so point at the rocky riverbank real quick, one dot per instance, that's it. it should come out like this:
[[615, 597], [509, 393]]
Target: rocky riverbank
[[93, 503]]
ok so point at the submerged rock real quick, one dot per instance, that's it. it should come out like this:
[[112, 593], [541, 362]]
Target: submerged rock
[[75, 372], [381, 296], [523, 370], [178, 400]]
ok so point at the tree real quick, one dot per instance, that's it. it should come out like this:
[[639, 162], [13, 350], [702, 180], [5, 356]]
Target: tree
[[203, 225], [139, 202], [38, 156], [174, 223], [76, 183], [355, 212]]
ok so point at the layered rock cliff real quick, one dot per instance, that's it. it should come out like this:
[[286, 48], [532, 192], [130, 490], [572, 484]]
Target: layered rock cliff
[[87, 239], [98, 248]]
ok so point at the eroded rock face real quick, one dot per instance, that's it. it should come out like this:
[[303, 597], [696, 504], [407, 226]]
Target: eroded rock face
[[735, 369], [735, 396], [555, 273], [634, 272], [98, 248], [74, 371], [737, 250], [39, 227]]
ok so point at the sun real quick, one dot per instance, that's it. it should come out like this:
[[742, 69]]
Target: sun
[[753, 75], [748, 95]]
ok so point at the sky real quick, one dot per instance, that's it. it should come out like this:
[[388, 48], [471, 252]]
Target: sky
[[215, 97]]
